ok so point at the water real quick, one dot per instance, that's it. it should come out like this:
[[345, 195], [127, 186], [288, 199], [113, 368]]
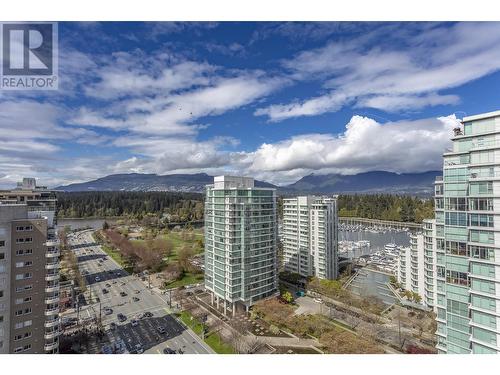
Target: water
[[82, 223], [377, 241], [371, 283]]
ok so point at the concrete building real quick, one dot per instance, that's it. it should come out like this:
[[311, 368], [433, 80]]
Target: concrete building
[[29, 270], [416, 264], [240, 242], [310, 236], [429, 271], [468, 239]]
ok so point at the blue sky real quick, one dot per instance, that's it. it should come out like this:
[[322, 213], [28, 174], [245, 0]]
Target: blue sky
[[272, 100]]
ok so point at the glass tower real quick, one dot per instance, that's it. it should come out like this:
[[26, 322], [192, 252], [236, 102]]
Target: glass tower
[[468, 239], [240, 242]]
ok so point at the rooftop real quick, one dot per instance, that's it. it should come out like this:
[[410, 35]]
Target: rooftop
[[481, 116]]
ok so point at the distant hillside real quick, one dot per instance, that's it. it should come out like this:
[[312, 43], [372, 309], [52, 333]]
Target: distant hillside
[[194, 183], [368, 182]]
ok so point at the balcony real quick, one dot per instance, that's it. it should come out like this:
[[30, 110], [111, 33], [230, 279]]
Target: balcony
[[52, 323], [52, 266], [52, 311], [51, 335], [51, 347], [52, 299], [52, 253], [53, 242], [52, 289], [486, 175], [54, 277]]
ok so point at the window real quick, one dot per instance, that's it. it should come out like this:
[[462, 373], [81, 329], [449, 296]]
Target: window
[[484, 286], [480, 188], [23, 300], [481, 252], [455, 277], [26, 228], [456, 218], [483, 302], [481, 269], [482, 236], [456, 204], [480, 220], [480, 204], [24, 288], [1, 293], [23, 276], [456, 248], [24, 264], [440, 271], [484, 335], [2, 243], [2, 256], [458, 308], [24, 252]]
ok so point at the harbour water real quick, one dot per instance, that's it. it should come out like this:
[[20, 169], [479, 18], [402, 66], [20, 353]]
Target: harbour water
[[370, 283], [377, 241]]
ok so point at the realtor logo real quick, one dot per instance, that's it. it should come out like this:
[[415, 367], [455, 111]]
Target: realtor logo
[[28, 56]]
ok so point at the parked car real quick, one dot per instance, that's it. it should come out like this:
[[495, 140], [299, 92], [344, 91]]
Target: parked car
[[168, 351], [112, 326], [123, 294], [139, 349], [121, 317], [136, 299], [134, 323], [108, 311], [97, 279], [148, 314], [161, 330], [105, 291]]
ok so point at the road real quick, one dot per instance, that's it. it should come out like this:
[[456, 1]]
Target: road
[[110, 286]]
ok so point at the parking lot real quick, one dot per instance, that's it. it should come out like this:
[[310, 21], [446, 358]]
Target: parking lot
[[112, 291]]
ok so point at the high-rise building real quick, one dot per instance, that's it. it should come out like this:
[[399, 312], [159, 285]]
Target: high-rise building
[[29, 270], [310, 241], [468, 239], [416, 264], [240, 242]]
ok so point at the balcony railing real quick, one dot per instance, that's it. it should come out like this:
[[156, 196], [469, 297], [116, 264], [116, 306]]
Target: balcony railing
[[51, 323], [51, 335], [52, 311], [51, 346]]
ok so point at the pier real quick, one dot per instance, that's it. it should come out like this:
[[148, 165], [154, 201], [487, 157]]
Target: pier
[[380, 223]]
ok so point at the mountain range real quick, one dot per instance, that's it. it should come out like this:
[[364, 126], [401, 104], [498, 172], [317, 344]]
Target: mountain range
[[368, 182]]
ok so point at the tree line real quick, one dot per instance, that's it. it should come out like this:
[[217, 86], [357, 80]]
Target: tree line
[[184, 207], [178, 207]]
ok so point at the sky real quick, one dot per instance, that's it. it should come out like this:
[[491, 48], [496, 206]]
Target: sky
[[276, 101]]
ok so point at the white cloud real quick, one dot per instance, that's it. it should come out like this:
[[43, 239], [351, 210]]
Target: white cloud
[[366, 145], [399, 72]]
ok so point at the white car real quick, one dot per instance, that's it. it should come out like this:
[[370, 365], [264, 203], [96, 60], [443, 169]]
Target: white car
[[318, 300], [97, 279], [134, 323]]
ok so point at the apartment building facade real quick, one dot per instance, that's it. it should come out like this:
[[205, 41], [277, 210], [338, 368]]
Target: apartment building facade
[[310, 236], [468, 239], [240, 242], [416, 264], [29, 271]]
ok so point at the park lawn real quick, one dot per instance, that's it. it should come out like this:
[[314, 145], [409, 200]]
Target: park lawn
[[178, 242], [188, 279], [213, 340], [117, 257]]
